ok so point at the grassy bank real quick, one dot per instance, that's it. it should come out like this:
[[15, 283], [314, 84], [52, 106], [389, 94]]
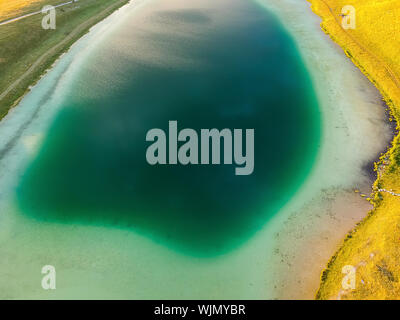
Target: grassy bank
[[373, 247], [27, 50]]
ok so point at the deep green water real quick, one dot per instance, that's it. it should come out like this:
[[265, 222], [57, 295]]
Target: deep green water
[[226, 65]]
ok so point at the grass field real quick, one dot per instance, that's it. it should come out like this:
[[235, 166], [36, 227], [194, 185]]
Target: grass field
[[27, 50], [373, 247]]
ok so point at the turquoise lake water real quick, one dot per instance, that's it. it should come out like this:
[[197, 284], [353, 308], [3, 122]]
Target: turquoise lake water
[[206, 65]]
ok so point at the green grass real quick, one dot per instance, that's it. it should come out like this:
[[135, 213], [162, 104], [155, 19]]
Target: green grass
[[24, 42]]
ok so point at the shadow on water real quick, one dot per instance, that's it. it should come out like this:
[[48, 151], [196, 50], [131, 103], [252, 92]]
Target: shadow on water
[[92, 167]]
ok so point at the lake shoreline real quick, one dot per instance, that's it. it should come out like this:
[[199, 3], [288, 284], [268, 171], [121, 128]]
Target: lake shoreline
[[363, 238], [22, 83], [314, 224]]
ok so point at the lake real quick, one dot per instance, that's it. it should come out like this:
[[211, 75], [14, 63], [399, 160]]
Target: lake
[[219, 65]]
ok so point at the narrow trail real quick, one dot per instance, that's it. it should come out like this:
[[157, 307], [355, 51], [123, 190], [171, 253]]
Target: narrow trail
[[390, 192]]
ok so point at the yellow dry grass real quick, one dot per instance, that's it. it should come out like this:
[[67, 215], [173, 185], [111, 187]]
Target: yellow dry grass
[[12, 8], [373, 248]]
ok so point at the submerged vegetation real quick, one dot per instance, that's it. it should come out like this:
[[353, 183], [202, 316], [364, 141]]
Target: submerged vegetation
[[27, 50], [373, 247]]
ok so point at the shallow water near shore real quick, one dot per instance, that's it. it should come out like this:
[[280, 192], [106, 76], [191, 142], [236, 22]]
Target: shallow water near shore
[[74, 150]]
